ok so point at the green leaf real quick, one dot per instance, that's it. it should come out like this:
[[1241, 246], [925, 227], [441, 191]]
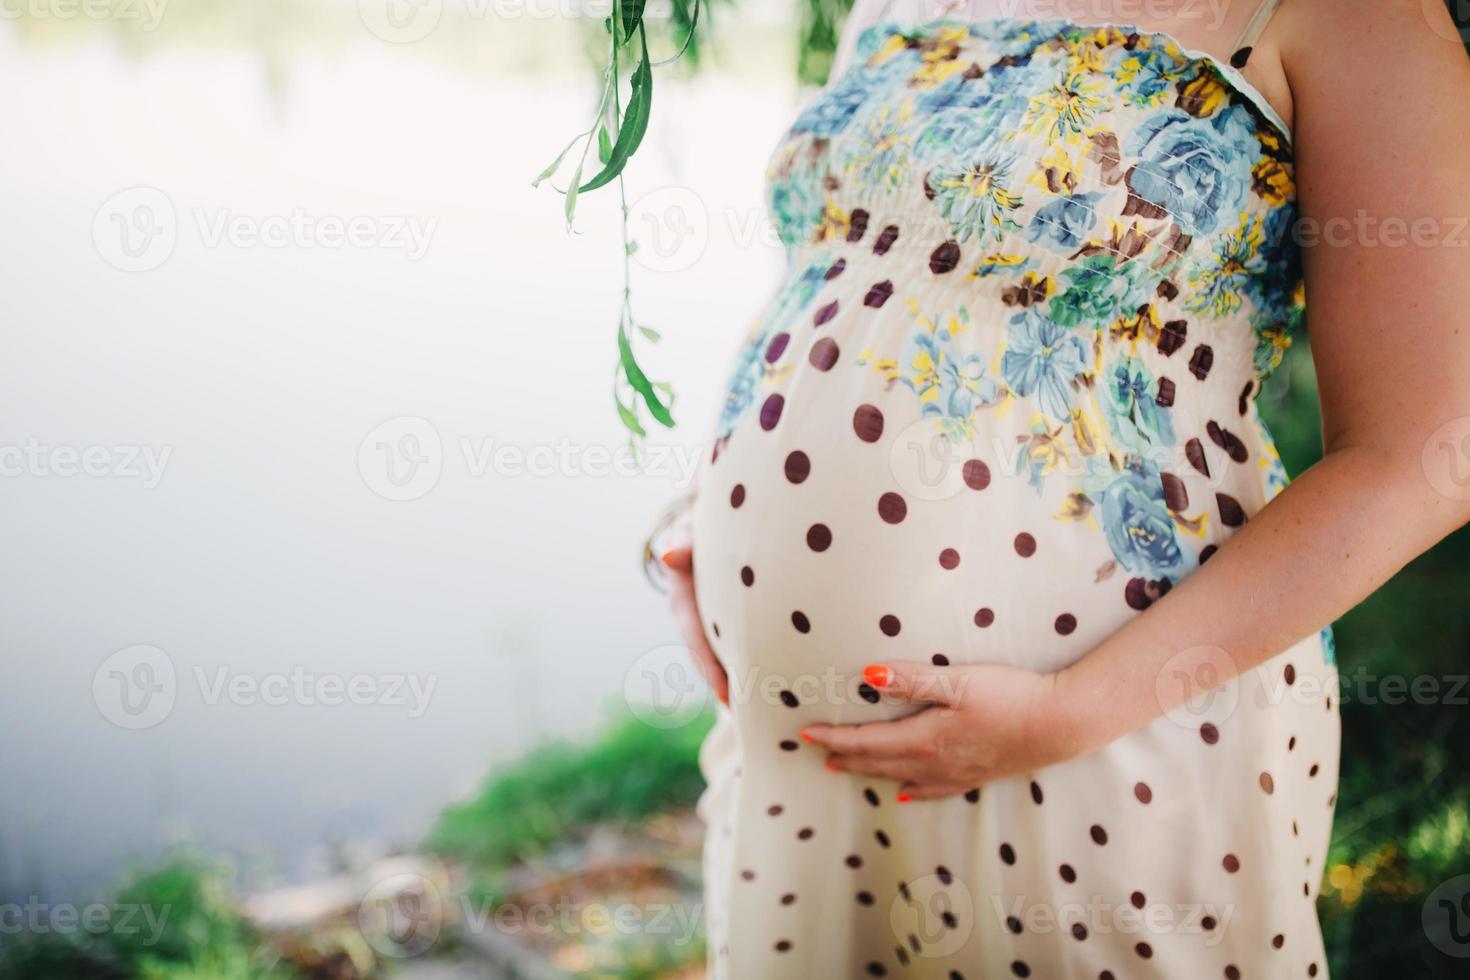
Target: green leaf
[[635, 123], [570, 206], [604, 144], [640, 381], [632, 16], [629, 417], [556, 164], [652, 335]]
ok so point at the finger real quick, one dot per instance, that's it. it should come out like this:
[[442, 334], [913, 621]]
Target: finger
[[920, 790], [906, 738], [898, 770], [915, 682], [679, 558]]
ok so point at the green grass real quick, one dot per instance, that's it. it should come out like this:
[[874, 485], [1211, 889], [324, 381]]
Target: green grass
[[630, 773], [174, 922]]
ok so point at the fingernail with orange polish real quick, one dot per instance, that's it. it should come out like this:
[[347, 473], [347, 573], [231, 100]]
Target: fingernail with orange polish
[[666, 556], [832, 766], [876, 675], [807, 736], [904, 797]]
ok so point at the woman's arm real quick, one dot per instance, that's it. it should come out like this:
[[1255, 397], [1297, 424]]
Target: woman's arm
[[1383, 119]]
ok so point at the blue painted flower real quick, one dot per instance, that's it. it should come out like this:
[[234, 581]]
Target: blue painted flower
[[833, 109], [1044, 358], [1063, 224], [1147, 75], [1198, 170], [1139, 529], [1134, 418], [1329, 646]]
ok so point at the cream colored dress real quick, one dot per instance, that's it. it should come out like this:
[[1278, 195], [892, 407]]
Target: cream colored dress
[[1002, 402]]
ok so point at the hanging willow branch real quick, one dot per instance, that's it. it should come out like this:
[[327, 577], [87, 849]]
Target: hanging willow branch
[[617, 129]]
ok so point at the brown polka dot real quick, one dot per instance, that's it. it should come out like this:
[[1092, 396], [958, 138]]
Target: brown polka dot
[[882, 839], [800, 622], [1312, 969], [890, 625], [737, 495], [825, 314], [824, 353], [1232, 972], [892, 508], [771, 412], [805, 833], [1008, 854], [1036, 793], [777, 347], [870, 796], [775, 809], [1231, 513], [869, 693], [878, 294], [976, 474], [865, 898], [876, 969], [1291, 743], [787, 745], [903, 890], [1144, 950], [867, 422], [1208, 923], [1290, 674], [1201, 361], [716, 627], [819, 537], [1268, 785], [944, 258], [857, 225], [1240, 57], [1065, 624], [798, 466], [789, 699], [1142, 793], [1068, 873], [1106, 975], [1194, 451], [747, 576], [984, 617], [1278, 940], [1138, 899], [972, 795], [853, 861], [1013, 924], [1230, 863], [1209, 733], [949, 559], [788, 899], [748, 875], [885, 241], [1079, 931], [1025, 545], [783, 945], [945, 875], [1099, 835], [836, 269], [939, 660], [1312, 772]]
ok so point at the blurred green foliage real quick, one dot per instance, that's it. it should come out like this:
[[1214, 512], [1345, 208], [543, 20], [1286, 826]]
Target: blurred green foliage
[[176, 922], [631, 773]]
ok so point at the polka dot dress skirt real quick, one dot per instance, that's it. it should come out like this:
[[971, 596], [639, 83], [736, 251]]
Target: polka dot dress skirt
[[1002, 401]]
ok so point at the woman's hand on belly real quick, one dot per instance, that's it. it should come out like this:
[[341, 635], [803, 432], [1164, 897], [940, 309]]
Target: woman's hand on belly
[[679, 560], [985, 722]]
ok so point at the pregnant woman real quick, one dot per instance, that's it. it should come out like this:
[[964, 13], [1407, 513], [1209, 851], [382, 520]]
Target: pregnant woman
[[1020, 628]]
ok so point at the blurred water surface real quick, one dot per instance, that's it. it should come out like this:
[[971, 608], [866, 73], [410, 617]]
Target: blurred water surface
[[195, 457]]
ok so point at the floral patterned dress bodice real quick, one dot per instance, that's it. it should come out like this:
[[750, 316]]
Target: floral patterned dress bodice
[[1070, 246]]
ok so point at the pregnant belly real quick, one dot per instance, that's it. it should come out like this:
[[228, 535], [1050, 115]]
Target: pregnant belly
[[847, 530]]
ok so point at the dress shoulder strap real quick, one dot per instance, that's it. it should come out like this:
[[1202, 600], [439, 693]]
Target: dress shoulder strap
[[1257, 24]]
